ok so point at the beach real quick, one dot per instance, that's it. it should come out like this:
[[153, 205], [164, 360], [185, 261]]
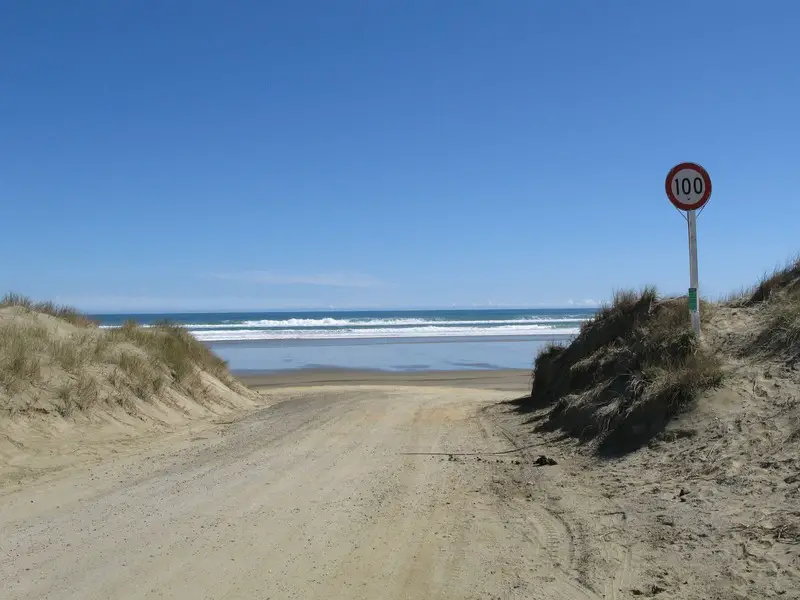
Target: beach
[[135, 465]]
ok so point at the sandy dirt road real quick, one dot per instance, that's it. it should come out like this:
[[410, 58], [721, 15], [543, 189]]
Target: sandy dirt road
[[312, 497]]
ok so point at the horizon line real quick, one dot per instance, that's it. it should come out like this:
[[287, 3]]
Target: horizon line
[[335, 309]]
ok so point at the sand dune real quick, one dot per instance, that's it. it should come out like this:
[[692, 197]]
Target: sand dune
[[69, 389]]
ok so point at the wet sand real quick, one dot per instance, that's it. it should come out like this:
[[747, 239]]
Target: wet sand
[[511, 380]]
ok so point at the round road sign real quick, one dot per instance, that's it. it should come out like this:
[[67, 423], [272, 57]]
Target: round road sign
[[688, 186]]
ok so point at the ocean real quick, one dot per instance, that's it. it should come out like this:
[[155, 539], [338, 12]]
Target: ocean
[[406, 340]]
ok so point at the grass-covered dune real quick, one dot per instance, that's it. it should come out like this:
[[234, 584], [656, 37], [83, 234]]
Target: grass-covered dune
[[55, 361], [637, 363], [776, 300], [632, 367]]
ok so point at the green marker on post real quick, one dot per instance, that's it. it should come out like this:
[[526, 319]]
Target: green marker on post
[[693, 299]]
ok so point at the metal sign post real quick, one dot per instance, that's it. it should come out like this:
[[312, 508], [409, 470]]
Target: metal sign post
[[694, 306], [688, 187]]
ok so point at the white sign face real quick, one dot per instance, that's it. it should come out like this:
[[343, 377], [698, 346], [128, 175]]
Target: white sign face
[[688, 186]]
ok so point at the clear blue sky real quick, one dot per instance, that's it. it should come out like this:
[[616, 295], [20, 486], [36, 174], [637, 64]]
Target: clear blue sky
[[390, 153]]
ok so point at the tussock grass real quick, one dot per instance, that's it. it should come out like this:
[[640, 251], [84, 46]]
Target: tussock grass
[[738, 297], [46, 368], [784, 279], [65, 313], [79, 393], [780, 336], [20, 359], [777, 331], [137, 374], [777, 334], [780, 278], [173, 346], [632, 367]]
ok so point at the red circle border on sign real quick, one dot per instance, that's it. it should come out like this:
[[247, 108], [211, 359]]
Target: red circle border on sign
[[706, 179]]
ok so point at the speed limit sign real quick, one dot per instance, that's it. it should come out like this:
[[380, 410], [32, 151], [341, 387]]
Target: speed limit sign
[[688, 186]]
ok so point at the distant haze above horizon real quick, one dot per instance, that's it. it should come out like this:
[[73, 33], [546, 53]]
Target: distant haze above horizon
[[172, 157]]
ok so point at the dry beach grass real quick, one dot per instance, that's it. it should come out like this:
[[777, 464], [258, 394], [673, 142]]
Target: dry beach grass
[[53, 359], [632, 367]]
